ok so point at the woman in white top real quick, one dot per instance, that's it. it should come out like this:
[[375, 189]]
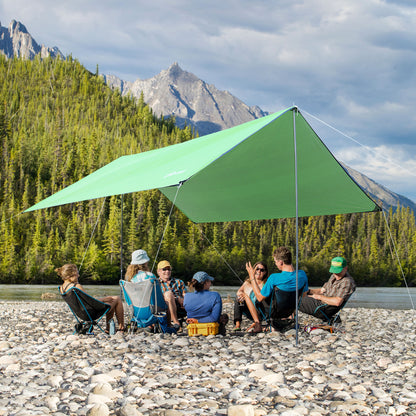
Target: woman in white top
[[246, 302]]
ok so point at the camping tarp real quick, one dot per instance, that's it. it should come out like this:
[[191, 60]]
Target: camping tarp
[[247, 172]]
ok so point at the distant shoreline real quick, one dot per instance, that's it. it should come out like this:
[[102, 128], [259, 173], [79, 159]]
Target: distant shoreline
[[364, 297]]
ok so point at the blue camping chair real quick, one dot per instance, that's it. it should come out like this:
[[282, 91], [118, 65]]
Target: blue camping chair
[[147, 305], [87, 310]]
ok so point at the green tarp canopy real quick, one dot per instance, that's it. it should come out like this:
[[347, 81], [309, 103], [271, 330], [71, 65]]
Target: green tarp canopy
[[266, 168]]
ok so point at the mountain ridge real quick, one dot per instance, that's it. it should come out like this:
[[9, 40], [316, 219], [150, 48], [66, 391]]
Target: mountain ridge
[[181, 94], [16, 41], [192, 101], [379, 193]]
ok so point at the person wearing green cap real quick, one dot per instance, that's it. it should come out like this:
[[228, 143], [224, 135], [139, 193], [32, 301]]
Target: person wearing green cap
[[326, 301]]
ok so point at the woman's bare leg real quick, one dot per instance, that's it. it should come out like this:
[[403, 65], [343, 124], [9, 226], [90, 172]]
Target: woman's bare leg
[[256, 326], [116, 306]]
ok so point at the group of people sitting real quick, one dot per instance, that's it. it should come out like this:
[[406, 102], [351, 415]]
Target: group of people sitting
[[253, 298], [199, 304]]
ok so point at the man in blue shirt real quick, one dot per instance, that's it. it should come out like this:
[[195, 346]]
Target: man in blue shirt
[[286, 280]]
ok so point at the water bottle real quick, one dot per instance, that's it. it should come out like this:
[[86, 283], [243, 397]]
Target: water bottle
[[112, 327]]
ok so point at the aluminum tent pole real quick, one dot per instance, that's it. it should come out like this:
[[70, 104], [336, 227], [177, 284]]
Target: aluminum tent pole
[[295, 110], [121, 238]]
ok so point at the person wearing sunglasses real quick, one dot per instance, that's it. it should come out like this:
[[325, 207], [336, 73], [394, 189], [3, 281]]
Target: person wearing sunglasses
[[173, 291], [246, 303], [286, 280]]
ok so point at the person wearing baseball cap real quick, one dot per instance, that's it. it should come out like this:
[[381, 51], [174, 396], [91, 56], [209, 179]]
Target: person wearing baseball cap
[[173, 292], [202, 304], [326, 301]]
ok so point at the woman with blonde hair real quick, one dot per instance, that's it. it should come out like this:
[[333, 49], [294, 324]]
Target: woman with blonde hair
[[138, 270], [69, 274]]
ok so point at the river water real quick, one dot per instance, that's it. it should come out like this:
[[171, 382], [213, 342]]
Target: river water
[[364, 297]]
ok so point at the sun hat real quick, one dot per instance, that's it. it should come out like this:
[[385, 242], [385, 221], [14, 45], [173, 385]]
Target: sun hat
[[162, 264], [337, 264], [139, 257], [201, 277]]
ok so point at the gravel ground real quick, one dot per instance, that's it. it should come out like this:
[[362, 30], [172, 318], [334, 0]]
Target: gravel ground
[[366, 367]]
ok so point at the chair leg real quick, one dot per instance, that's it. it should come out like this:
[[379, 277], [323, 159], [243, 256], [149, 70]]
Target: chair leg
[[336, 319]]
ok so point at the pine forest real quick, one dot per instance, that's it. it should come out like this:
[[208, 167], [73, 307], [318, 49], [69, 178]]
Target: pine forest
[[59, 123]]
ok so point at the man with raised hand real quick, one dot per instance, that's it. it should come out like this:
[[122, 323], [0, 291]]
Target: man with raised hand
[[285, 281]]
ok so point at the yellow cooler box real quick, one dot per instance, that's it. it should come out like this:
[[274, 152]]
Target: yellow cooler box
[[210, 328]]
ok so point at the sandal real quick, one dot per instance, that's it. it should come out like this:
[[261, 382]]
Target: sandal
[[255, 328], [236, 329]]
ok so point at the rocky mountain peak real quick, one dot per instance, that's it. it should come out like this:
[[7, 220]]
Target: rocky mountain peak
[[178, 93], [175, 70], [16, 27], [175, 74], [16, 41]]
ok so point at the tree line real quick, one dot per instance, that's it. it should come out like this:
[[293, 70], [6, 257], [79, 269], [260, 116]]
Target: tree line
[[59, 122]]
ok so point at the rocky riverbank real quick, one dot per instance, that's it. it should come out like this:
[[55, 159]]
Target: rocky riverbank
[[366, 368]]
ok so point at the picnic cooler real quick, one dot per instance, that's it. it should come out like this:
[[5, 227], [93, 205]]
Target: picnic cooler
[[210, 328]]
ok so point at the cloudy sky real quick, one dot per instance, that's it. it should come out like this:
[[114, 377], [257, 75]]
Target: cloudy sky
[[349, 65]]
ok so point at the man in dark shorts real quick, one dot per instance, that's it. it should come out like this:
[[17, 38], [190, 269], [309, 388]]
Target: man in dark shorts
[[326, 301]]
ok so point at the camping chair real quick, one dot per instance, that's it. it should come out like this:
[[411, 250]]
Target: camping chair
[[87, 310], [329, 313], [282, 306], [147, 305]]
